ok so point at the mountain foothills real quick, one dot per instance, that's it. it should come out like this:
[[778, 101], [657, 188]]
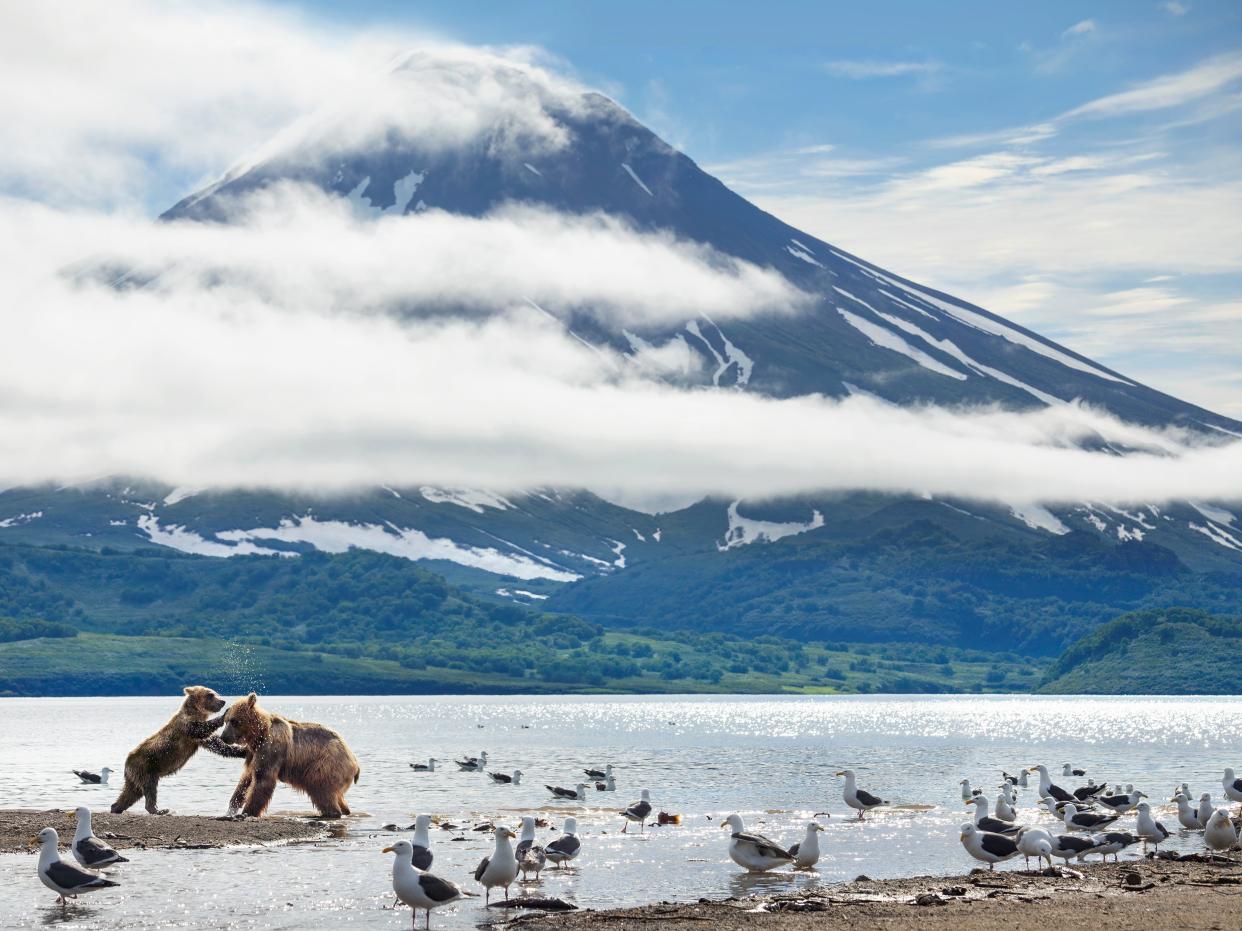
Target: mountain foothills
[[454, 589]]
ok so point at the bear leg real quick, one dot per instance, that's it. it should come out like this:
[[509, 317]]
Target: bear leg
[[239, 794], [260, 794], [129, 794], [150, 790]]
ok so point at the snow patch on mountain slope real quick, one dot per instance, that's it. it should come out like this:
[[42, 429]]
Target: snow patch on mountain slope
[[745, 530], [468, 498], [334, 536], [618, 549], [532, 169], [731, 354], [403, 191], [1038, 517], [180, 493], [1211, 512], [18, 519], [804, 256], [1217, 535], [637, 180], [177, 537], [887, 339]]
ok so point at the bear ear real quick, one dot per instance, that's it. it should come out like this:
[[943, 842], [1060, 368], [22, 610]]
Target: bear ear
[[188, 689], [251, 698]]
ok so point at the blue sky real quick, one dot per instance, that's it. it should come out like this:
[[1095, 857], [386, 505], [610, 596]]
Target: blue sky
[[959, 143]]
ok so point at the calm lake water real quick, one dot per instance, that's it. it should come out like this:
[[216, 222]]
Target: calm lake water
[[772, 759]]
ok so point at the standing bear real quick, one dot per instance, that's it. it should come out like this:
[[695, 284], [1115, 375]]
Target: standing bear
[[310, 757], [170, 748]]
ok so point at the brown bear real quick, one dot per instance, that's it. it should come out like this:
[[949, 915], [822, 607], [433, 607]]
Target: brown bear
[[310, 757], [170, 748]]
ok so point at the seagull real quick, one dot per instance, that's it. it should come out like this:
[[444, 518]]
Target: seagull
[[1067, 771], [1121, 803], [806, 851], [608, 785], [501, 868], [1046, 786], [1037, 843], [856, 798], [1232, 786], [1068, 846], [63, 878], [985, 822], [421, 855], [1189, 817], [99, 779], [1149, 829], [1008, 779], [428, 767], [503, 779], [988, 847], [577, 794], [88, 849], [638, 811], [1077, 820], [599, 773], [566, 847], [1112, 842], [1220, 833], [419, 890], [1089, 791], [530, 856], [966, 793], [1205, 808], [753, 852], [1004, 809], [473, 763]]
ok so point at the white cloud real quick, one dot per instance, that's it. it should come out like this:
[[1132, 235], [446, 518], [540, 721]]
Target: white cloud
[[1171, 90], [863, 69], [1080, 28], [1173, 8]]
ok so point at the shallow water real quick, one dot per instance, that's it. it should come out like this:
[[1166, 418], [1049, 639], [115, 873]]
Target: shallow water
[[770, 758]]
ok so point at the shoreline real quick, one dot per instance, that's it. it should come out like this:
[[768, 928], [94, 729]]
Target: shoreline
[[176, 832], [1156, 894]]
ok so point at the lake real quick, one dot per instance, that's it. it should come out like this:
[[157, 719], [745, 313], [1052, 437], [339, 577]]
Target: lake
[[771, 759]]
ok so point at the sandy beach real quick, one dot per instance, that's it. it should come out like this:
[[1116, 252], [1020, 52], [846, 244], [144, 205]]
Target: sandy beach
[[122, 832], [1152, 894]]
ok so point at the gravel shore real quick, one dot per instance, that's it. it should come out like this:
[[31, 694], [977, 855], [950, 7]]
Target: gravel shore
[[1152, 894], [17, 826]]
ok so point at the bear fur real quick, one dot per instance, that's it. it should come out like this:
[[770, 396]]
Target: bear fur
[[170, 748], [310, 757]]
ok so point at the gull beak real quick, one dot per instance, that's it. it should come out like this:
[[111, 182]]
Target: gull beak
[[386, 850], [962, 837], [725, 825], [32, 840], [841, 774]]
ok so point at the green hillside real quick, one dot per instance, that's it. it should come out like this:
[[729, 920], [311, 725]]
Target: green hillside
[[1175, 651]]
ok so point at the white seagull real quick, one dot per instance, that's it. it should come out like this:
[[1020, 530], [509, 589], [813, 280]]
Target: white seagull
[[97, 779], [806, 851], [1037, 843], [856, 798], [753, 852], [1149, 829], [988, 847], [1047, 787], [599, 773], [1004, 808], [1189, 817], [501, 868], [473, 763], [1232, 786], [428, 767], [531, 857], [1220, 833], [565, 848], [507, 779], [1121, 803], [88, 849], [576, 794], [638, 811], [1205, 808], [966, 793], [420, 854], [985, 822], [65, 879], [419, 890]]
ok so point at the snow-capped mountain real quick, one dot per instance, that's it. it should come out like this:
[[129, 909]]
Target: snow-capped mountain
[[866, 329]]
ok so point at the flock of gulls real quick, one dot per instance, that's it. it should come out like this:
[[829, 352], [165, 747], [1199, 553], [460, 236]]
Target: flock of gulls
[[1089, 815]]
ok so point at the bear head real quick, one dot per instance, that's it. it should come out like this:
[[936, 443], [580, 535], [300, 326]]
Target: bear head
[[201, 701], [245, 721]]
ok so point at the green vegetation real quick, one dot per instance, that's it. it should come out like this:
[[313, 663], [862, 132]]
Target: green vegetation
[[26, 629], [1175, 651]]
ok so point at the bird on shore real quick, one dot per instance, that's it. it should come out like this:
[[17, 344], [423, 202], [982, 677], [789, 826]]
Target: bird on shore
[[473, 763], [565, 848], [99, 779], [501, 868], [420, 854], [1121, 803], [1187, 816], [599, 773], [988, 847], [88, 849], [1004, 808], [753, 852], [65, 879], [428, 767], [417, 889], [1068, 846], [856, 798], [1149, 829], [1220, 833], [531, 857], [985, 822], [1047, 787], [1037, 843], [506, 779], [1205, 808], [638, 811], [806, 851], [1112, 842], [1077, 820], [1068, 771], [576, 794], [1232, 787]]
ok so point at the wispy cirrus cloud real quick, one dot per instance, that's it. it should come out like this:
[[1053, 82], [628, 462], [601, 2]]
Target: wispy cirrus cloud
[[864, 69]]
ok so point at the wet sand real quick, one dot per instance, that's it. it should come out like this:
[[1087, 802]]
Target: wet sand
[[1152, 894], [141, 830]]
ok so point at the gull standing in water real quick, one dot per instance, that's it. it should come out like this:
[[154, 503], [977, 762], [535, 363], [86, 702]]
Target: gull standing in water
[[985, 822], [753, 852], [566, 847], [638, 811], [1205, 808], [1004, 808], [501, 868], [88, 849], [530, 856], [806, 851], [1232, 787], [419, 890], [1047, 787], [1077, 820], [856, 798], [1149, 829], [1189, 817], [63, 878]]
